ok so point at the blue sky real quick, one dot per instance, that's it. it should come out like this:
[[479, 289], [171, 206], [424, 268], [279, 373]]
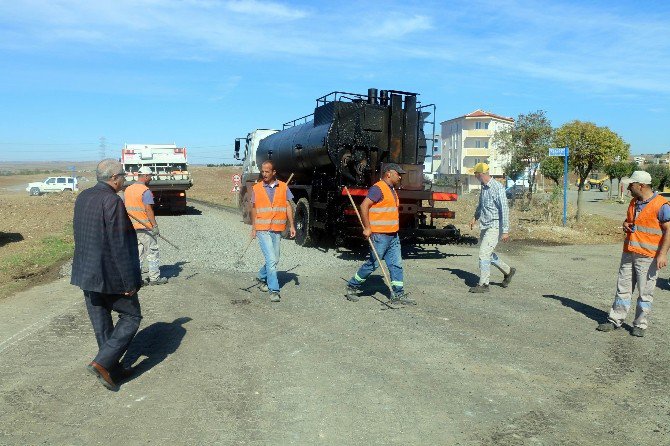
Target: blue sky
[[201, 72]]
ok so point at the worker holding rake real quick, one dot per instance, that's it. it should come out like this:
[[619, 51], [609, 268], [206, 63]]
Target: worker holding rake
[[381, 221]]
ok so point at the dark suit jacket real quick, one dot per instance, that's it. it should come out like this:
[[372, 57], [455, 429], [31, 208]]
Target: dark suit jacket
[[106, 259]]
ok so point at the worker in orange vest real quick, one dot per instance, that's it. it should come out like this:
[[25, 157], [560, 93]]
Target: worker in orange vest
[[645, 251], [139, 205], [381, 219], [270, 212]]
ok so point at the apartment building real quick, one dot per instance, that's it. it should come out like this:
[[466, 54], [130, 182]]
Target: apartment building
[[433, 159], [468, 140]]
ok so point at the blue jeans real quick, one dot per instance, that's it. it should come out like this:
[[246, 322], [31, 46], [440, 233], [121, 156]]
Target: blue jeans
[[388, 248], [269, 243]]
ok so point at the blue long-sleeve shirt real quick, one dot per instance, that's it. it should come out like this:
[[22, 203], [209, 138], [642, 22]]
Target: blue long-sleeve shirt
[[492, 210]]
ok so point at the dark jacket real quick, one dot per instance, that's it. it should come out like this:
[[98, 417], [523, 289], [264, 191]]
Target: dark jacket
[[106, 259]]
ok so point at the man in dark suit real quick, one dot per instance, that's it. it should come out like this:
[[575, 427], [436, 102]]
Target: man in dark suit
[[106, 267]]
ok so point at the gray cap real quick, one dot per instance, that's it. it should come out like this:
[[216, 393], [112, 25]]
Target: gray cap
[[392, 166]]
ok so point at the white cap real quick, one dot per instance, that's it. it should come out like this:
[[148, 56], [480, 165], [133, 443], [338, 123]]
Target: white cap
[[639, 176], [144, 170]]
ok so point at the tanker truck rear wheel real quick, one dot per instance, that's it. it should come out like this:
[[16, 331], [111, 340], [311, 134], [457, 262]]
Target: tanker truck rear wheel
[[302, 223], [245, 207]]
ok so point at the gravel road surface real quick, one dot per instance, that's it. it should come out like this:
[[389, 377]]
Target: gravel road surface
[[217, 363]]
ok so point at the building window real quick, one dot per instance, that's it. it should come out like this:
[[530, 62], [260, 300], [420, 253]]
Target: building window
[[478, 125], [478, 144], [486, 144]]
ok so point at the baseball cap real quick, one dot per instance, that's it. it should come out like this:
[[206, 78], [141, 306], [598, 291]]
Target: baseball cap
[[144, 170], [392, 166], [639, 176], [481, 168]]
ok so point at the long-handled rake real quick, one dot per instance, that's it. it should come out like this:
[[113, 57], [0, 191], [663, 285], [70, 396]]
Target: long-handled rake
[[387, 279]]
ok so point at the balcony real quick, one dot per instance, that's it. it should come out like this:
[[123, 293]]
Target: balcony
[[478, 152], [478, 133]]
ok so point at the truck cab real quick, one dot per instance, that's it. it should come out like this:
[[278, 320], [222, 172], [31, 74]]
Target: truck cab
[[250, 171]]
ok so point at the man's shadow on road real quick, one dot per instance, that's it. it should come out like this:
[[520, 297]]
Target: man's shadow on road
[[156, 342], [469, 278], [592, 313], [170, 271]]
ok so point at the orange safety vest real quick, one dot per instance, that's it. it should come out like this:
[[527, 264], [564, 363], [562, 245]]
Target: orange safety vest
[[270, 216], [646, 238], [384, 216], [135, 207]]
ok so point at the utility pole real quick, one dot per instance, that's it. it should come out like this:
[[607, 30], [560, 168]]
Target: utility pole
[[103, 147]]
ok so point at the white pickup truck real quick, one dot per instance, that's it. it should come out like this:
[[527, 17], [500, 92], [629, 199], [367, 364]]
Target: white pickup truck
[[53, 184]]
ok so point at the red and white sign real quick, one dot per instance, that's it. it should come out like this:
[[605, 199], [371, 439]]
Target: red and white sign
[[237, 179], [236, 188]]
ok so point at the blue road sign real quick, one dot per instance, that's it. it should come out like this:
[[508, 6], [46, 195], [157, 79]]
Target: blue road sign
[[558, 151]]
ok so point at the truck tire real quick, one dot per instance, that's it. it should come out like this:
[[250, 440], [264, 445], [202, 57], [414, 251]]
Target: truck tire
[[34, 191], [302, 219], [286, 233], [67, 189], [604, 188], [587, 186]]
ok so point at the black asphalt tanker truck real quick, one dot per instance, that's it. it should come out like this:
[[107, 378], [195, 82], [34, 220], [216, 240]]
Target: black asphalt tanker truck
[[346, 142]]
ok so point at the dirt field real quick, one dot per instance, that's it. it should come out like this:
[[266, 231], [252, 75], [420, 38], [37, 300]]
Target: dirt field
[[219, 364]]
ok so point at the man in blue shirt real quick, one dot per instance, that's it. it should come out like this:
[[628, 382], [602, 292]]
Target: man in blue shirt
[[493, 215]]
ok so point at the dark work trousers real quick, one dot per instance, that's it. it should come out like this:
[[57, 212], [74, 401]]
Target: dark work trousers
[[113, 341]]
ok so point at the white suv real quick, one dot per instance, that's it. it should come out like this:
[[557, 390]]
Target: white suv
[[53, 184]]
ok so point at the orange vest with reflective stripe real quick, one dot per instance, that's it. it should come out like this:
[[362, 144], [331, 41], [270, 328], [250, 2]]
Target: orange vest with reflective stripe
[[135, 207], [384, 216], [646, 238], [270, 216]]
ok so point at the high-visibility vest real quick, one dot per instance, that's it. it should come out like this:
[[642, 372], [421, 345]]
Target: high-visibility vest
[[135, 207], [646, 238], [270, 216], [384, 215]]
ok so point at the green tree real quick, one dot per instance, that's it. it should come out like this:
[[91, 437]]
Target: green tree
[[590, 147], [660, 176], [514, 168], [618, 170], [527, 142], [552, 167]]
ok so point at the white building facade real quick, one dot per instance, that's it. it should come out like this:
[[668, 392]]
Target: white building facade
[[431, 164], [468, 140]]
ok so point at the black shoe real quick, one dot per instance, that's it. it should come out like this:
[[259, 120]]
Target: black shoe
[[637, 331], [480, 289], [606, 326], [352, 293], [403, 299], [508, 277]]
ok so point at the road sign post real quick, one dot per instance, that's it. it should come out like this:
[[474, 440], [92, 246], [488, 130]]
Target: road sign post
[[563, 151]]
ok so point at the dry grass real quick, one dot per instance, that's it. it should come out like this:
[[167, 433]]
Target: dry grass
[[542, 222], [213, 185]]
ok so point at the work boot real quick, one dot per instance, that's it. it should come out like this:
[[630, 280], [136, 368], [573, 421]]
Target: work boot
[[480, 289], [508, 277], [606, 326], [159, 281], [403, 299], [274, 297], [352, 294], [637, 331], [262, 285]]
